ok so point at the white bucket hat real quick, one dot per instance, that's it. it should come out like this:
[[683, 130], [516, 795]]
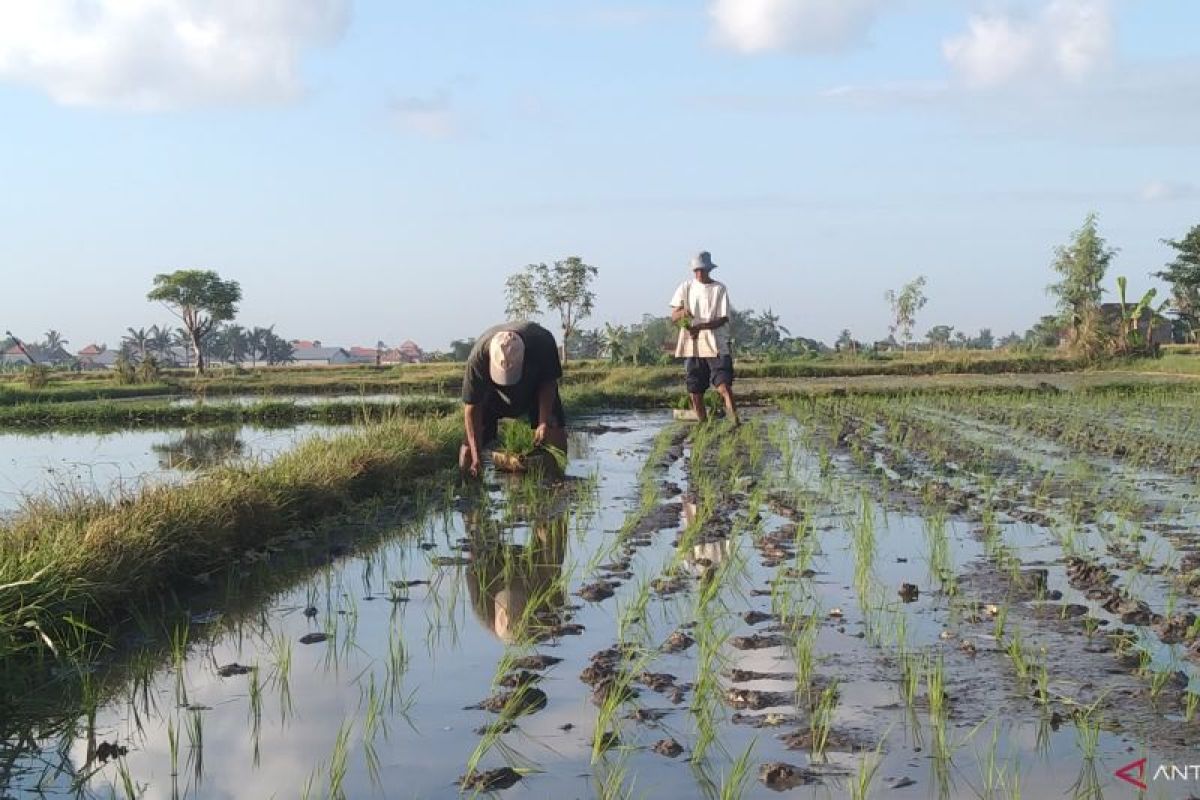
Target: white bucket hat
[[506, 357]]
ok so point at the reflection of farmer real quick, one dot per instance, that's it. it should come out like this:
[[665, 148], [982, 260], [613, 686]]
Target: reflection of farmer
[[512, 587], [701, 307], [707, 555], [513, 371]]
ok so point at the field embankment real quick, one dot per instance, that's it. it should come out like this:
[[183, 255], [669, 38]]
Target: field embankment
[[66, 571]]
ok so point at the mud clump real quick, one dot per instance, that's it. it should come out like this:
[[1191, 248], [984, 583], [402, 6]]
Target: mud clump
[[757, 641], [1175, 628], [513, 704], [755, 700], [520, 678], [648, 716], [229, 670], [755, 617], [536, 662], [313, 638], [606, 690], [667, 747], [781, 777], [909, 592], [677, 642], [1083, 574], [491, 781], [660, 682], [595, 592], [747, 675]]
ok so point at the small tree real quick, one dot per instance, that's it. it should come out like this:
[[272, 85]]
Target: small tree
[[614, 342], [939, 336], [1082, 263], [905, 305], [1184, 276], [201, 300], [564, 287]]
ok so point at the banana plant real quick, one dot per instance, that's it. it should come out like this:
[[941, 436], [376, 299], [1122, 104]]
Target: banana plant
[[1130, 334]]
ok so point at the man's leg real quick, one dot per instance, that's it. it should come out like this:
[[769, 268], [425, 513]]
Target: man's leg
[[697, 378], [722, 377]]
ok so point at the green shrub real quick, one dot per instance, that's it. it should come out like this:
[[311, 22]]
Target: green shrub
[[37, 376]]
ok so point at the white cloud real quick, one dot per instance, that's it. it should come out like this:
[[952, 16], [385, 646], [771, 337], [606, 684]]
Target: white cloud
[[160, 54], [429, 116], [806, 26], [1066, 40], [1165, 191]]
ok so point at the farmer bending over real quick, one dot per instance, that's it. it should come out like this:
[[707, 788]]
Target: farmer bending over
[[701, 308], [513, 371]]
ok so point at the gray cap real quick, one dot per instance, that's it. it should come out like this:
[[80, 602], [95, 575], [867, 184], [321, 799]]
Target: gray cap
[[703, 260]]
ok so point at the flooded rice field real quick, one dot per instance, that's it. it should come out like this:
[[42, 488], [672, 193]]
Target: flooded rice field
[[67, 464], [851, 597]]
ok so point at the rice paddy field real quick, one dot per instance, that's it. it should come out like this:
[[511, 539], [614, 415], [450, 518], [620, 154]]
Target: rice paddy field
[[960, 593]]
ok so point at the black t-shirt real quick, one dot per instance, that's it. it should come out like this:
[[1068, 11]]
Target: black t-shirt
[[541, 364]]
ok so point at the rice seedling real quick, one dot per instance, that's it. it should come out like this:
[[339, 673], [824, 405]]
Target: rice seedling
[[338, 762], [733, 783], [821, 719]]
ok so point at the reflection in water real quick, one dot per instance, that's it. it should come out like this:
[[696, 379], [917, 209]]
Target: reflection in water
[[199, 448], [706, 555], [514, 588]]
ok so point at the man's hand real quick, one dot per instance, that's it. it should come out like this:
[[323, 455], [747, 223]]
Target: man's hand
[[539, 434], [473, 465]]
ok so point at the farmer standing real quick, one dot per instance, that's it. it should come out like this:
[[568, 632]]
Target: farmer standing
[[512, 371], [700, 307]]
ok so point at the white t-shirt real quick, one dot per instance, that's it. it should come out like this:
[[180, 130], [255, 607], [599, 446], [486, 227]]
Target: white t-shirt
[[705, 302]]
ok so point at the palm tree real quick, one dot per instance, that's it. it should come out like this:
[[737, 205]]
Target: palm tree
[[180, 337], [256, 342], [235, 342], [160, 342], [137, 339], [276, 349], [769, 332], [54, 340]]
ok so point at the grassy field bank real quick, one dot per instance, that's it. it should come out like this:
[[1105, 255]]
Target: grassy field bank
[[446, 378], [66, 572], [146, 413]]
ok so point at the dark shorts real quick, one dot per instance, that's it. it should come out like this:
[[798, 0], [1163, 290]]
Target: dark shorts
[[702, 371], [493, 412]]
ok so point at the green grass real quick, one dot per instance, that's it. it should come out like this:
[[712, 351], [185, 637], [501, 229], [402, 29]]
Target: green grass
[[137, 414], [65, 571]]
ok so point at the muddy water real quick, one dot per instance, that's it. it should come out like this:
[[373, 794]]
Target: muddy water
[[69, 463], [379, 708]]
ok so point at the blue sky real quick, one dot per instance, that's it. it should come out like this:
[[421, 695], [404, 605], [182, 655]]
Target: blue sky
[[374, 170]]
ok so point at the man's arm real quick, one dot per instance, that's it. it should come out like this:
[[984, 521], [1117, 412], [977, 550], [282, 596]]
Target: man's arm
[[711, 325], [545, 402], [678, 313], [473, 425]]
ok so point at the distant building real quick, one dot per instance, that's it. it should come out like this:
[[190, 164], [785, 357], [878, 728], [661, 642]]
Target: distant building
[[364, 355], [97, 356], [410, 352], [16, 355], [318, 356]]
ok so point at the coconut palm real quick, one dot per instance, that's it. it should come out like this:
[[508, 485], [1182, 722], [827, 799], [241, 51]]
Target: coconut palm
[[54, 340], [256, 342], [136, 339]]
